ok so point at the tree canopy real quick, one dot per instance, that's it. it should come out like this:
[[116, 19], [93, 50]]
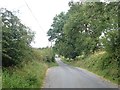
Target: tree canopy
[[16, 38], [86, 28]]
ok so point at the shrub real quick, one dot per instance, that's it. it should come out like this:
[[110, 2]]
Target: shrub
[[16, 39]]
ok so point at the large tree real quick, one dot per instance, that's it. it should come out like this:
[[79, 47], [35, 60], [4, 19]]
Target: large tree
[[16, 38], [84, 25]]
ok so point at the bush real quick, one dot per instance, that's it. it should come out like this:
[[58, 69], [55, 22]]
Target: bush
[[29, 76], [100, 63], [16, 39], [111, 42], [30, 73]]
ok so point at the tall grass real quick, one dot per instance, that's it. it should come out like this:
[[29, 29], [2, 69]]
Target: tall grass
[[100, 63], [30, 73], [30, 76], [0, 77]]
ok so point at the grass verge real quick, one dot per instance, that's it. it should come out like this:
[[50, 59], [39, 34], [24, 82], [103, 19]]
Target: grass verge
[[30, 73], [100, 63], [30, 76]]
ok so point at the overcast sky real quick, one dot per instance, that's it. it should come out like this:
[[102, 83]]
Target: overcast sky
[[43, 11]]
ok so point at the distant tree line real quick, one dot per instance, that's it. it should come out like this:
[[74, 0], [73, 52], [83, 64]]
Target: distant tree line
[[86, 28]]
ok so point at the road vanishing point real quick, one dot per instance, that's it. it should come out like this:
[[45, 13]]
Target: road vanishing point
[[66, 76]]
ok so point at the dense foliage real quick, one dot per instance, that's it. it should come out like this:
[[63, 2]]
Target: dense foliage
[[86, 28], [31, 72], [16, 38], [23, 65]]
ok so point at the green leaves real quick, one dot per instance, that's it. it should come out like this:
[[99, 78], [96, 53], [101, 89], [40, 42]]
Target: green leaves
[[111, 42], [56, 28], [16, 38], [83, 27]]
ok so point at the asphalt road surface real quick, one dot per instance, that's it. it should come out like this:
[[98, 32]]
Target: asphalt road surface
[[65, 76]]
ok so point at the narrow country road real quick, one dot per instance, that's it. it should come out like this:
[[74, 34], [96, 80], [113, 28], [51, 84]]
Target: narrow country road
[[65, 76]]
